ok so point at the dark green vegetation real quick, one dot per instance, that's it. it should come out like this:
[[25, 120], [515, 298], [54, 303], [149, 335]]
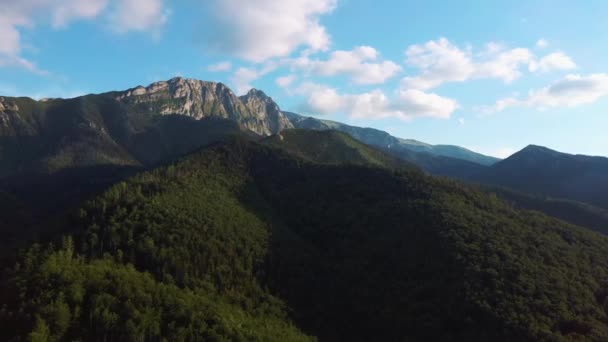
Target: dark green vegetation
[[576, 182], [304, 234], [462, 164], [215, 243], [578, 213], [332, 147], [45, 137]]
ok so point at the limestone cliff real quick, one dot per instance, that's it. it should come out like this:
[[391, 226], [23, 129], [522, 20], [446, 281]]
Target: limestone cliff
[[199, 99]]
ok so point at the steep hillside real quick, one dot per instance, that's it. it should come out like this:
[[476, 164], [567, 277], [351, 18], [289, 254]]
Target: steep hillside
[[332, 147], [140, 126], [335, 147], [385, 141], [355, 252], [199, 99], [540, 170], [147, 125]]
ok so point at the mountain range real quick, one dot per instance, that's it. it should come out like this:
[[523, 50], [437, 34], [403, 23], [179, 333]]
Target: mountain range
[[143, 126], [123, 127], [181, 211]]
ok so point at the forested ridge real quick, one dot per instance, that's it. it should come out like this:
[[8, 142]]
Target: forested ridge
[[242, 241]]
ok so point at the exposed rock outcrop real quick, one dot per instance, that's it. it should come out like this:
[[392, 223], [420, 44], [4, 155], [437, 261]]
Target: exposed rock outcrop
[[199, 99]]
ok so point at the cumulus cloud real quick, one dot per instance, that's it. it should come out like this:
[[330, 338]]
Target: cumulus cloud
[[66, 10], [242, 78], [321, 99], [417, 103], [504, 65], [15, 16], [286, 81], [362, 64], [406, 105], [220, 67], [262, 29], [571, 91], [442, 62], [554, 61], [139, 15]]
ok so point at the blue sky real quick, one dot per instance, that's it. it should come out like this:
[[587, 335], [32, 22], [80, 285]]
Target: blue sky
[[493, 76]]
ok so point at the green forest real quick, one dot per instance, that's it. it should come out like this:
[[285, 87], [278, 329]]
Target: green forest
[[247, 241]]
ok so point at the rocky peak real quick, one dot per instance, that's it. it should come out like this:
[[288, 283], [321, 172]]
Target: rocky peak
[[259, 102], [7, 109], [256, 93], [199, 99], [5, 105], [261, 105]]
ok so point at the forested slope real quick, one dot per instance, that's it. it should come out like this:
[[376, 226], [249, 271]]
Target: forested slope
[[252, 241]]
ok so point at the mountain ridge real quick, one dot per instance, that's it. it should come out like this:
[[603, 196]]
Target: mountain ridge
[[196, 99], [541, 170], [385, 140]]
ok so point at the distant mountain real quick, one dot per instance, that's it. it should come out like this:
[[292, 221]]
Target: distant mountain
[[408, 150], [540, 170], [140, 126], [384, 140], [107, 136], [241, 241], [146, 125]]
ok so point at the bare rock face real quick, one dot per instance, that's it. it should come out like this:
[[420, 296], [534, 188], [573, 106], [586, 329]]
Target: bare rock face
[[7, 106], [199, 99], [265, 111], [6, 109]]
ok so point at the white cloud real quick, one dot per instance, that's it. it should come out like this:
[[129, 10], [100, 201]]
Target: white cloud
[[286, 81], [66, 10], [406, 105], [361, 64], [16, 61], [461, 121], [220, 67], [542, 44], [15, 16], [571, 91], [504, 65], [442, 62], [554, 61], [139, 15], [243, 77], [322, 99], [261, 29], [418, 103]]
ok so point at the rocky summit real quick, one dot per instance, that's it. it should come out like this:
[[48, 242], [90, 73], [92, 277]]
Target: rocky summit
[[254, 111]]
